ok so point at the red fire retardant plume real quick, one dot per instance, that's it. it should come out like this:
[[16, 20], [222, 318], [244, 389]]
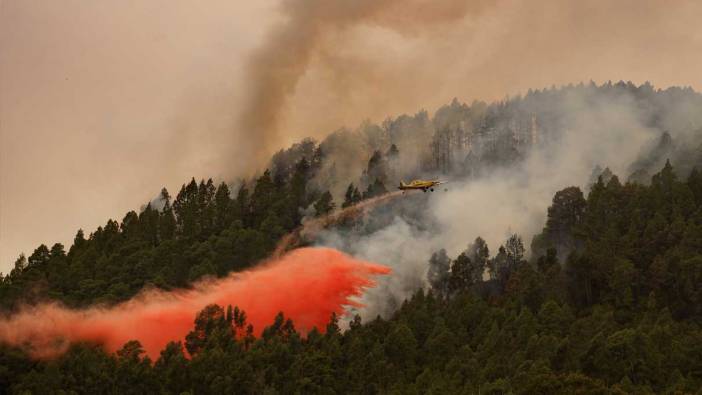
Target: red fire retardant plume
[[307, 285]]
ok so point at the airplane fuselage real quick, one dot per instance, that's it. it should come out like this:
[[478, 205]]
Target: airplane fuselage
[[423, 185]]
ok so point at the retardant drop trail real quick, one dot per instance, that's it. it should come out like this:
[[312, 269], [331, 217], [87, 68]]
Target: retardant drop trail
[[308, 285], [310, 229]]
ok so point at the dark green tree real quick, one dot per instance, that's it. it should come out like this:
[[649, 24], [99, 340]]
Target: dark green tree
[[438, 274], [325, 204], [351, 197]]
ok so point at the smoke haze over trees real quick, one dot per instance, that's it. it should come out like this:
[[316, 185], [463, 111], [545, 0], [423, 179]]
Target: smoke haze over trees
[[564, 253], [505, 161], [621, 315]]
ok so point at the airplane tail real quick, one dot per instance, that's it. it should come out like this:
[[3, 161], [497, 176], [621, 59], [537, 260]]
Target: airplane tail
[[402, 184]]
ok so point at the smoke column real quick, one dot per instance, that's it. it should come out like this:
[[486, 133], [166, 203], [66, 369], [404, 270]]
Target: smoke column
[[307, 285], [285, 56]]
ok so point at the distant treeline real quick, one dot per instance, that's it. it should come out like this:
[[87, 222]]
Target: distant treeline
[[469, 140]]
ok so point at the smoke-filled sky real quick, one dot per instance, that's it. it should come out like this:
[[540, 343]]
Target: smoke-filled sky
[[103, 103]]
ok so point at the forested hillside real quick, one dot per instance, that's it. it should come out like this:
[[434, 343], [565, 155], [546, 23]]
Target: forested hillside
[[605, 299], [209, 229], [621, 315]]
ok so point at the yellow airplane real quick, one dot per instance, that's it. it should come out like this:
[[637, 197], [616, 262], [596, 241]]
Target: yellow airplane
[[424, 185]]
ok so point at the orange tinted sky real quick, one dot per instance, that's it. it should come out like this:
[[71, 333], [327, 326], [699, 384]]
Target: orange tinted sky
[[103, 103]]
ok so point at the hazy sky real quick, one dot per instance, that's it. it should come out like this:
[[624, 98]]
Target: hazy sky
[[103, 103]]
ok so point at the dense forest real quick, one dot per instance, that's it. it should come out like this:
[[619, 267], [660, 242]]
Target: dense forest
[[621, 315], [606, 300]]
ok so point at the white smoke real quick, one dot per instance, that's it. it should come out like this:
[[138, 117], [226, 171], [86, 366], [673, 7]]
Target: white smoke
[[608, 132]]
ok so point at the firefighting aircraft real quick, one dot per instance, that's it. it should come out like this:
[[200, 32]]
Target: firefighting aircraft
[[424, 185]]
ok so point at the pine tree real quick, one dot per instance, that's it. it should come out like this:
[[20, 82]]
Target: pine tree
[[462, 276], [479, 254], [515, 250], [241, 207], [167, 221], [324, 204], [208, 321], [377, 167], [351, 197], [377, 188], [438, 274], [222, 202], [297, 192], [262, 199]]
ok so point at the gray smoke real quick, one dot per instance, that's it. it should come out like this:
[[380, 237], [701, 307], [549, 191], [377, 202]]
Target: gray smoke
[[607, 131], [284, 58]]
